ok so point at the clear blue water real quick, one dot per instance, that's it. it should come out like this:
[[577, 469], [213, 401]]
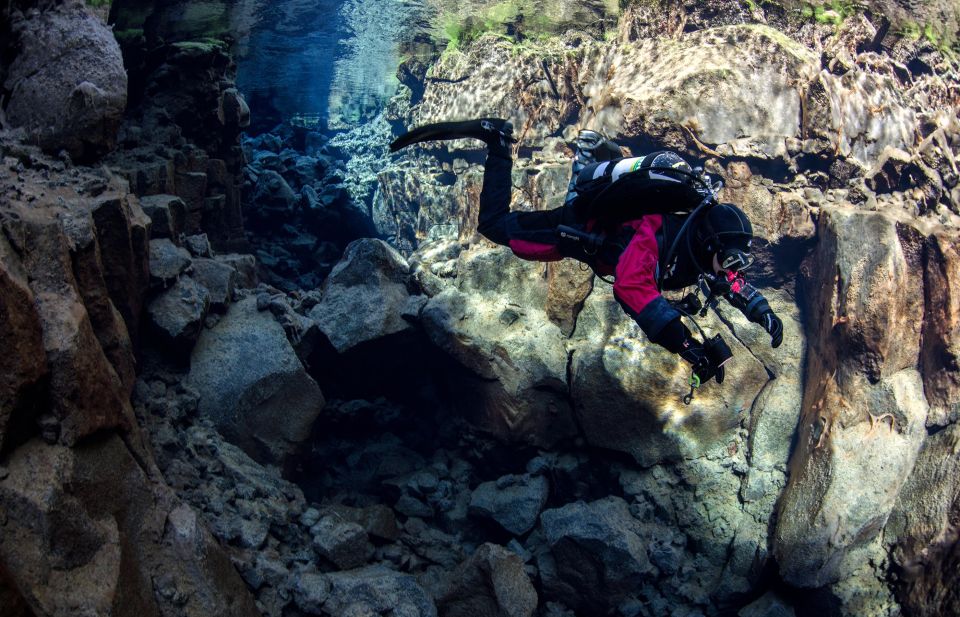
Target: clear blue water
[[332, 58]]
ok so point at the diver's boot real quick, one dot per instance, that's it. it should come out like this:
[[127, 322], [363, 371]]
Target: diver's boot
[[497, 133]]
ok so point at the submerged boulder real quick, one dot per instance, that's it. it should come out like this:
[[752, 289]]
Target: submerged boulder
[[514, 502], [177, 314], [491, 583], [864, 412], [376, 590], [597, 554], [511, 360], [365, 297], [252, 384], [67, 84]]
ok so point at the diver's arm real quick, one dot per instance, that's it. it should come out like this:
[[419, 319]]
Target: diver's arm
[[755, 307], [636, 291]]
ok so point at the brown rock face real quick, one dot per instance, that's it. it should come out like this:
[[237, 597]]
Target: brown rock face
[[23, 362], [863, 411], [68, 85], [88, 527], [89, 531], [941, 328]]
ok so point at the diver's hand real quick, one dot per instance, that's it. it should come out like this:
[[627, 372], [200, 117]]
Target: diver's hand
[[703, 369], [774, 327]]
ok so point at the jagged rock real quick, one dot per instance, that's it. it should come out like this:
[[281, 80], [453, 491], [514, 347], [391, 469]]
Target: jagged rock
[[75, 544], [514, 502], [167, 261], [512, 361], [375, 590], [90, 272], [365, 296], [768, 605], [23, 362], [177, 314], [922, 528], [745, 67], [311, 591], [67, 83], [597, 554], [378, 520], [198, 245], [217, 278], [233, 109], [856, 131], [863, 411], [123, 239], [941, 328], [86, 395], [245, 267], [893, 171], [569, 286], [168, 213], [341, 542], [273, 194], [244, 399], [492, 583]]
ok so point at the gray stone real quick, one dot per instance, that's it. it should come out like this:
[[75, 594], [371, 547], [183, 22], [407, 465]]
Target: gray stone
[[491, 583], [516, 372], [198, 245], [341, 542], [514, 502], [245, 398], [408, 506], [310, 592], [178, 313], [375, 590], [218, 279], [272, 193], [365, 296], [167, 261], [768, 605], [168, 214], [597, 554], [245, 266]]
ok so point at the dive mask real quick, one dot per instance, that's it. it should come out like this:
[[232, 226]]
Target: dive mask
[[733, 259]]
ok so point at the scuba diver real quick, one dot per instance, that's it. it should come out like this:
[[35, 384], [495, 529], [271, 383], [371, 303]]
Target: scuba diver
[[652, 222]]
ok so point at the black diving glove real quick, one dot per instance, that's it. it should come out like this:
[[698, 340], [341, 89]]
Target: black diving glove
[[774, 327], [703, 368]]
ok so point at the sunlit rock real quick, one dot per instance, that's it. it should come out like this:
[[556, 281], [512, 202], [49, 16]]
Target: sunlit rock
[[365, 296], [864, 412], [719, 86], [511, 358], [627, 391]]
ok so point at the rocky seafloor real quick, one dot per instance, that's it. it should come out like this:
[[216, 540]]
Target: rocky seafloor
[[281, 374]]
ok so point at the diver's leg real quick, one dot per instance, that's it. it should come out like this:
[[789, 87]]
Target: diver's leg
[[492, 221]]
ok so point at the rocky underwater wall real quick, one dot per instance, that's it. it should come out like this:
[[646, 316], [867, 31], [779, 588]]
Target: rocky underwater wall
[[427, 425]]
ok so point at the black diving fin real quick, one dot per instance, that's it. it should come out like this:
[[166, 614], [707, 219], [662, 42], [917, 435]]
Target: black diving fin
[[493, 131]]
